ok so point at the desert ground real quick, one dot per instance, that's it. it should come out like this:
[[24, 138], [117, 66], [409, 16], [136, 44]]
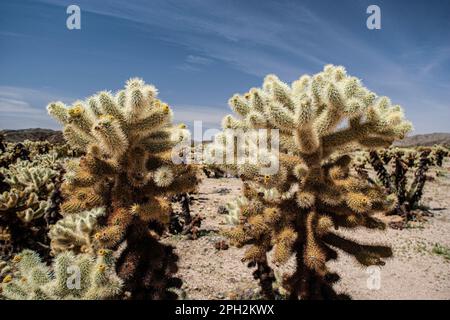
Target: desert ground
[[419, 269]]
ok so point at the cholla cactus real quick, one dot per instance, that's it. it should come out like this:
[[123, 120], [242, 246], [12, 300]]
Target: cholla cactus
[[75, 232], [315, 191], [37, 147], [26, 206], [439, 153], [234, 210], [5, 269], [2, 142], [12, 153], [395, 181], [29, 204], [71, 277], [30, 178], [128, 169], [65, 150], [30, 185]]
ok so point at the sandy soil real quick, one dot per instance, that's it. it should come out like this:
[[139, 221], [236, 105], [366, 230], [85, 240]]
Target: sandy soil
[[415, 271]]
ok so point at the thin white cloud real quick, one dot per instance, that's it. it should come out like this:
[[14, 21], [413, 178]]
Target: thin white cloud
[[198, 60], [25, 108], [195, 63], [15, 106]]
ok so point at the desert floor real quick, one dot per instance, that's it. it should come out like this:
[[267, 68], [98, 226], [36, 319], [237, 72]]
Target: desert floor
[[417, 270]]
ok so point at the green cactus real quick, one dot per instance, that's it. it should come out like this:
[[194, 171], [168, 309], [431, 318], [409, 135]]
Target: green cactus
[[128, 139], [294, 211], [70, 277]]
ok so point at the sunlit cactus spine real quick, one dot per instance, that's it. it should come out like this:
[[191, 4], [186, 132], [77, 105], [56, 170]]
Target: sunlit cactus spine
[[128, 138], [70, 277], [295, 212]]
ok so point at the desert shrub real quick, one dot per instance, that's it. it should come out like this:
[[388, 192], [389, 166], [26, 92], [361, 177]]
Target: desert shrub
[[2, 142], [181, 219], [128, 170], [75, 232], [296, 211], [29, 204], [11, 152], [394, 177], [439, 153], [32, 279], [37, 147]]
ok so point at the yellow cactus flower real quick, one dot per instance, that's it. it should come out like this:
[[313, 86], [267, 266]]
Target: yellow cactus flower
[[7, 279], [76, 111], [102, 268]]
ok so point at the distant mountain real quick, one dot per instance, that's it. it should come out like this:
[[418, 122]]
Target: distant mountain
[[37, 134], [425, 140], [56, 137]]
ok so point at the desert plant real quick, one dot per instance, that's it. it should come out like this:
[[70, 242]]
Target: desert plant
[[75, 232], [441, 250], [12, 153], [2, 142], [128, 140], [37, 147], [395, 181], [29, 205], [182, 221], [439, 153], [70, 277], [66, 151], [295, 210], [237, 213]]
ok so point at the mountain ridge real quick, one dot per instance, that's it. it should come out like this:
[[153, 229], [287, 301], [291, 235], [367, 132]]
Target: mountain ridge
[[56, 136]]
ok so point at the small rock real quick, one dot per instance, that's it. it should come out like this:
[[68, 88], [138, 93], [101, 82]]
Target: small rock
[[232, 296], [221, 245], [220, 296], [223, 191], [222, 210]]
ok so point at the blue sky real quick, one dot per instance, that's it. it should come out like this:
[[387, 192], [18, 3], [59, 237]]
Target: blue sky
[[198, 53]]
